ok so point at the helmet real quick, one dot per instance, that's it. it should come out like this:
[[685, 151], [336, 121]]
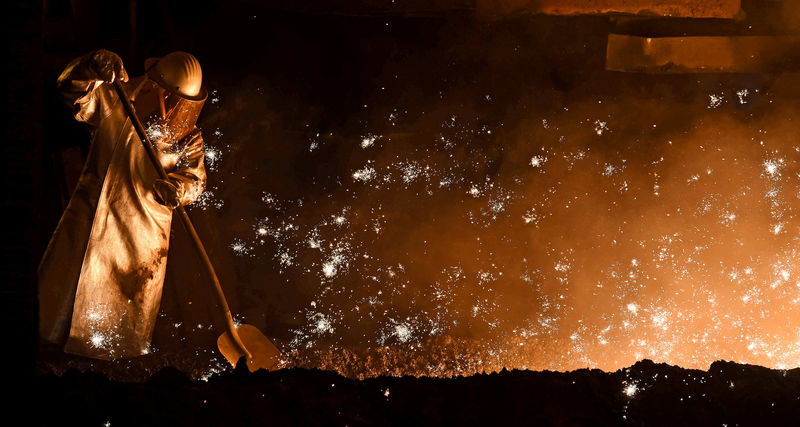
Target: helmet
[[178, 72]]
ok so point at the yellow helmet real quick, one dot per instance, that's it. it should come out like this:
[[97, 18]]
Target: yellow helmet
[[179, 72]]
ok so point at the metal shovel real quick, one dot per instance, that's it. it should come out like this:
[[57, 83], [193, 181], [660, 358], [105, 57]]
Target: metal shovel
[[235, 342]]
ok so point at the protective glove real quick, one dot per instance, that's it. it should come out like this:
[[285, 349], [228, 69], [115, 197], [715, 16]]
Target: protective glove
[[108, 66], [167, 193]]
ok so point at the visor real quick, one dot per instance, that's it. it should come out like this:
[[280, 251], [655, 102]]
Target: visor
[[174, 115]]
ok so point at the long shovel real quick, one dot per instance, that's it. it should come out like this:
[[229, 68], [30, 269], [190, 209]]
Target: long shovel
[[235, 342]]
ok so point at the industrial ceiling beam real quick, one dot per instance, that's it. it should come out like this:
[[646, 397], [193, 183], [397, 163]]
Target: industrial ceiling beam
[[723, 9], [717, 54]]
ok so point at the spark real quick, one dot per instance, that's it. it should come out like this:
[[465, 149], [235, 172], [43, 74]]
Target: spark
[[772, 167], [715, 100], [660, 320], [365, 174], [411, 171], [240, 247], [537, 161], [212, 157], [675, 277], [155, 132], [368, 141], [403, 332], [285, 259], [329, 269], [94, 315], [600, 127], [322, 324], [742, 94], [99, 340]]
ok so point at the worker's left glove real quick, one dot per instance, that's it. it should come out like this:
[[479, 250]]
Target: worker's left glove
[[108, 66], [167, 193]]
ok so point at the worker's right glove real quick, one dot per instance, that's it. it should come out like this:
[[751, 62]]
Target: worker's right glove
[[108, 66], [167, 193]]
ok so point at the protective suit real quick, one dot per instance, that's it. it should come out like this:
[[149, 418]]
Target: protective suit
[[101, 277]]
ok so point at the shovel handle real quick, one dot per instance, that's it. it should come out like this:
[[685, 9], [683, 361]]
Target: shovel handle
[[184, 217]]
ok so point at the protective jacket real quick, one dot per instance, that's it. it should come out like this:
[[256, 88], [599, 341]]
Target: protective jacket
[[101, 277]]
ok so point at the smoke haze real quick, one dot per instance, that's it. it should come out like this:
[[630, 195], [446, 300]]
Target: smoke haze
[[444, 197]]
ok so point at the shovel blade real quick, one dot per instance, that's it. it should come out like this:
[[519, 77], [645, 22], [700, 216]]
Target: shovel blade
[[264, 353]]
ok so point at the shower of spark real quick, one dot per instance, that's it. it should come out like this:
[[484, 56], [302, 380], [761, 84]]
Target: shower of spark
[[440, 241]]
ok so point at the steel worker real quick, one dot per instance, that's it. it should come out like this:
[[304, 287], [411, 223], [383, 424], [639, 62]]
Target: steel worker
[[101, 276]]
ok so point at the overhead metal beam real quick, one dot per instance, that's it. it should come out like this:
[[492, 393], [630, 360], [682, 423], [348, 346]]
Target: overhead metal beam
[[724, 9], [672, 55]]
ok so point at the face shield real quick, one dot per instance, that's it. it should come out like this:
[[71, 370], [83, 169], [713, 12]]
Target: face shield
[[167, 116]]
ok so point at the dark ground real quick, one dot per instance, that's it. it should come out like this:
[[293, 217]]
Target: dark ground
[[727, 394]]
